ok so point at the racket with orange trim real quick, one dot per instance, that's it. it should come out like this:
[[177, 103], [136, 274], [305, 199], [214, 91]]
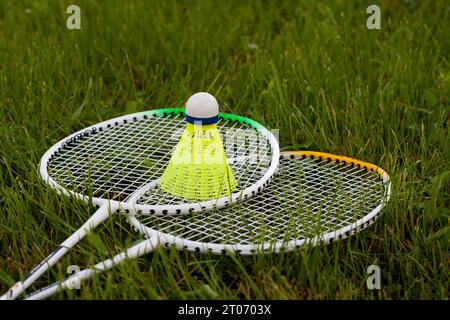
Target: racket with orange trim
[[314, 198]]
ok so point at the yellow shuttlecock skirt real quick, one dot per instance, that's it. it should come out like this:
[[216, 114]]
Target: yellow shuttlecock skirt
[[198, 169]]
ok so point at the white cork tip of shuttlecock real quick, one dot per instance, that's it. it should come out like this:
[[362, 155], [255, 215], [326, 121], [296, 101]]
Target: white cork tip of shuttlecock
[[202, 105]]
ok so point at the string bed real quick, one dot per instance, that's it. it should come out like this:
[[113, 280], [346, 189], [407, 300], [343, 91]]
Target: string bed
[[307, 198], [113, 163]]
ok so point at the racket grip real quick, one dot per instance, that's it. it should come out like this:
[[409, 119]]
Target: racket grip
[[13, 292], [135, 251], [98, 217]]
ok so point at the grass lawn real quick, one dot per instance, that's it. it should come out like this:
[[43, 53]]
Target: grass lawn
[[313, 71]]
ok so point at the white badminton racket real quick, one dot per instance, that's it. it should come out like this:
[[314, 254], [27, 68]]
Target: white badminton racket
[[314, 198], [107, 162]]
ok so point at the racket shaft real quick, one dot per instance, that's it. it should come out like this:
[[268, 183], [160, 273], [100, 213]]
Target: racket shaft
[[98, 217], [135, 251]]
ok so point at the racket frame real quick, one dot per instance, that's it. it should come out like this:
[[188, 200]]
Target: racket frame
[[342, 233], [184, 208]]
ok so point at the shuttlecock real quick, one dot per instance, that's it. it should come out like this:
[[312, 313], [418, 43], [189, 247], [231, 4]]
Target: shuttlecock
[[198, 168]]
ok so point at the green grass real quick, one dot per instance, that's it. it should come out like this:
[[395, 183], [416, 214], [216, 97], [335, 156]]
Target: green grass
[[317, 74]]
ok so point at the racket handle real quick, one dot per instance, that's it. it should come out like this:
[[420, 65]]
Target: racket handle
[[17, 289], [135, 251]]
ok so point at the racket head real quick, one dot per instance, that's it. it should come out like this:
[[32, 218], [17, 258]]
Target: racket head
[[107, 162], [313, 198]]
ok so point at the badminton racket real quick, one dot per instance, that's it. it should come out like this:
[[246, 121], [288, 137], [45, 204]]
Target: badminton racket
[[105, 163], [313, 198]]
